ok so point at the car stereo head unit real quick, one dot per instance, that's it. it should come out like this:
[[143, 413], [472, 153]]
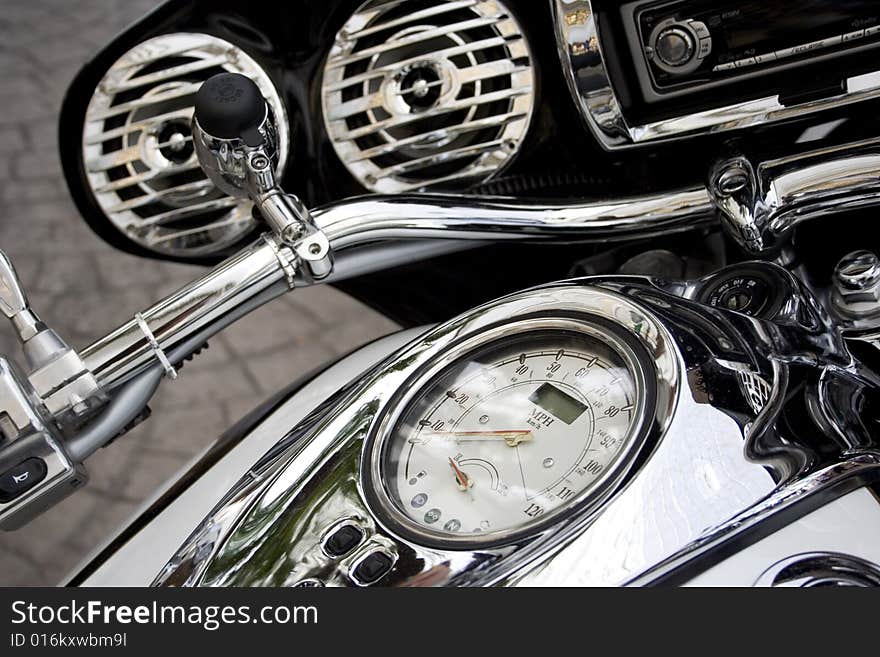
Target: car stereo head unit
[[688, 44], [651, 70]]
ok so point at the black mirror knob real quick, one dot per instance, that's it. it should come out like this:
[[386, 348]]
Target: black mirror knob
[[230, 106]]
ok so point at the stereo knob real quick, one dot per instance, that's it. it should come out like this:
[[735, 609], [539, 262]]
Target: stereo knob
[[674, 46]]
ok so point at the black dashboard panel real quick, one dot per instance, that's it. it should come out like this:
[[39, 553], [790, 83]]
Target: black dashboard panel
[[560, 158]]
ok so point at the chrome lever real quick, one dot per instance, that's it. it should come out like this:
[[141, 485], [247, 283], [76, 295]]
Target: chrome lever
[[14, 303], [36, 471], [57, 373]]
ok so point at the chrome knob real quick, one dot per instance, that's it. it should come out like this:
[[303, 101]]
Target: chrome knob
[[231, 106], [674, 46], [857, 284]]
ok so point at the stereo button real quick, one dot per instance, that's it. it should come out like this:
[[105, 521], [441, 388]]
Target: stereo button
[[705, 48], [699, 29]]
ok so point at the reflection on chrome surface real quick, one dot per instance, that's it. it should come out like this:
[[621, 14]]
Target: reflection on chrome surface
[[716, 467]]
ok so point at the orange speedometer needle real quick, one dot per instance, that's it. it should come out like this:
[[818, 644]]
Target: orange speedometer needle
[[461, 478], [512, 438]]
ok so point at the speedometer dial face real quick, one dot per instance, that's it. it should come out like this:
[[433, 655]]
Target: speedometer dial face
[[513, 434]]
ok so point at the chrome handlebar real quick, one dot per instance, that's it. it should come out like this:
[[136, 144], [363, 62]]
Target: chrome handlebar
[[758, 205]]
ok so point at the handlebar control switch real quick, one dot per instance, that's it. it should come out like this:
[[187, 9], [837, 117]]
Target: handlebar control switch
[[236, 142], [20, 478], [36, 472]]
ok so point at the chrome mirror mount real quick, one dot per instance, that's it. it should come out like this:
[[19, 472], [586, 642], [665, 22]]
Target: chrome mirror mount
[[57, 373], [236, 142]]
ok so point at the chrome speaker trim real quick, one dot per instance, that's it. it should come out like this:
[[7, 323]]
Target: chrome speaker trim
[[418, 93], [137, 149]]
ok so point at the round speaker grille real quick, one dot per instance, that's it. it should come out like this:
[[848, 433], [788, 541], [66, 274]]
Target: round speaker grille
[[420, 93], [138, 153]]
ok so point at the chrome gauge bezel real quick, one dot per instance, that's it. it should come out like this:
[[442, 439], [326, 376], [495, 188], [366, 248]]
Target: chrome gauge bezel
[[637, 337]]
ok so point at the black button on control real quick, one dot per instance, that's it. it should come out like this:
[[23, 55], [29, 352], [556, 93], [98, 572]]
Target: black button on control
[[21, 478], [343, 540], [373, 568]]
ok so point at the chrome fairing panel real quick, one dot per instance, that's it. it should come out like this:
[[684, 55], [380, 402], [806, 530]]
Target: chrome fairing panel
[[722, 466], [840, 533]]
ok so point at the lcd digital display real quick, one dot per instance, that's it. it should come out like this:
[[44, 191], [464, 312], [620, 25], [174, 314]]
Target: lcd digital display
[[557, 403], [766, 26]]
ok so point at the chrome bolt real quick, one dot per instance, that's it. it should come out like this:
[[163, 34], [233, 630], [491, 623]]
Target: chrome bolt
[[291, 232], [732, 180], [857, 284], [315, 248], [260, 162], [858, 270], [420, 88]]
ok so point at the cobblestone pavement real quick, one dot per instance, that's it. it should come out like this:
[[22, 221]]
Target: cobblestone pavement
[[83, 288]]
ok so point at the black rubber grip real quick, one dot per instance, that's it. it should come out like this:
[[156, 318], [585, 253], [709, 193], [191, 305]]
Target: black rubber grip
[[229, 105]]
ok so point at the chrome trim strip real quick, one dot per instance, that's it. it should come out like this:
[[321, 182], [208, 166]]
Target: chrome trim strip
[[577, 37]]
